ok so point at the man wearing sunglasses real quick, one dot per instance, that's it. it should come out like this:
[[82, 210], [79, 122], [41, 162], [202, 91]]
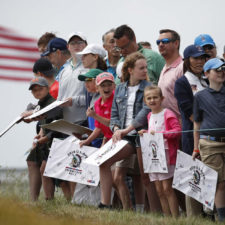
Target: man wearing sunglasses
[[126, 44], [168, 45], [207, 43]]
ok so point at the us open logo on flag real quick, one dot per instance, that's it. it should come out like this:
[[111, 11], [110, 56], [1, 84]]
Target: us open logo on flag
[[154, 147], [17, 55]]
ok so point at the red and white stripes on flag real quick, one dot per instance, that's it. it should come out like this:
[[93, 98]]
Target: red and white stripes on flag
[[17, 55]]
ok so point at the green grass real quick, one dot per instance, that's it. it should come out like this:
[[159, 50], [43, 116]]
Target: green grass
[[16, 209]]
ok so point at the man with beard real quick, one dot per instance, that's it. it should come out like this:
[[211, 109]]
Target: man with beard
[[169, 45]]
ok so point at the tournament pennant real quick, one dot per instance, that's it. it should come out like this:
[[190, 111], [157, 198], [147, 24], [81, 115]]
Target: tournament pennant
[[15, 121], [66, 159], [50, 109], [105, 152], [66, 127], [195, 179], [153, 153]]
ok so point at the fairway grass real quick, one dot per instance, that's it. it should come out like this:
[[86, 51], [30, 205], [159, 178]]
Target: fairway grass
[[16, 209]]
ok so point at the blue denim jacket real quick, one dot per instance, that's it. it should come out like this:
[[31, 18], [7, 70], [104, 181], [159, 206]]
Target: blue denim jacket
[[119, 106]]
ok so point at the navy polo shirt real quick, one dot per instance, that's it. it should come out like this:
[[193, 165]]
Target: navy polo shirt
[[209, 109]]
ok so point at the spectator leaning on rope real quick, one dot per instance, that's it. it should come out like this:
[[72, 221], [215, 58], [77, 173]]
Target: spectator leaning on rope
[[126, 115]]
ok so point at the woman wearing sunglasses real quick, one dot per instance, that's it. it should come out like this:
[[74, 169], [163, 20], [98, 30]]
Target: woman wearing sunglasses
[[185, 89]]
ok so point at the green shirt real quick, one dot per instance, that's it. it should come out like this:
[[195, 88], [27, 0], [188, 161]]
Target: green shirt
[[155, 63]]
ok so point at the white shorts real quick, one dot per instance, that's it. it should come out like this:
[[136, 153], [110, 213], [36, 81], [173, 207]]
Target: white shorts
[[163, 176]]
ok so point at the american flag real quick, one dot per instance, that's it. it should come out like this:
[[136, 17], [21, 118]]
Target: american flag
[[17, 55]]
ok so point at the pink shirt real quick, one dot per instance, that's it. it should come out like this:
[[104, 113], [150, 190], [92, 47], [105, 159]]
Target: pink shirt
[[104, 110], [167, 80], [172, 124]]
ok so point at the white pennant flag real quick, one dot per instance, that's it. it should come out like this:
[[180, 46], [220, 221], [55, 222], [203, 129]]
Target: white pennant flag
[[153, 153], [66, 162], [195, 179], [105, 152]]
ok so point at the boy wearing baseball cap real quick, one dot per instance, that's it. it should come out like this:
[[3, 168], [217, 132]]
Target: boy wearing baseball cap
[[37, 158], [102, 108], [209, 114]]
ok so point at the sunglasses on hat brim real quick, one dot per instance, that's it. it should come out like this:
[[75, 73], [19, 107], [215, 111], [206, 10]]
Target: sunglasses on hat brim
[[222, 68]]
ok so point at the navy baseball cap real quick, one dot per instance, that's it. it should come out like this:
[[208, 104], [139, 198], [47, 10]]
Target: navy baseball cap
[[44, 66], [214, 63], [54, 45], [204, 39], [41, 81], [194, 51]]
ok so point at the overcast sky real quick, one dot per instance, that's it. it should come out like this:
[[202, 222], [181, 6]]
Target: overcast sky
[[94, 17]]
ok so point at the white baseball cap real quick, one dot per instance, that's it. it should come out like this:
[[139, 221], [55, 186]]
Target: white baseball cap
[[94, 49], [78, 34]]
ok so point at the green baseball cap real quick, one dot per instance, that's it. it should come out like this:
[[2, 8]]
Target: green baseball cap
[[92, 73]]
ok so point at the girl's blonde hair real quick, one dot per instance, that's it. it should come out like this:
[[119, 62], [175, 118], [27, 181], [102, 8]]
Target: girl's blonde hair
[[153, 87], [130, 63]]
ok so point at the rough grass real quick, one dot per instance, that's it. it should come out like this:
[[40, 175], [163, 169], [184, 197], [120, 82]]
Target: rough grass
[[16, 209]]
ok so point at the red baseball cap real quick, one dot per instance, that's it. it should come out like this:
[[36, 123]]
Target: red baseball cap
[[103, 77]]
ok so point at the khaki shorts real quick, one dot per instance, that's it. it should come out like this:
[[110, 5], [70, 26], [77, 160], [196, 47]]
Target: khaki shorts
[[213, 155], [136, 169], [127, 162]]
